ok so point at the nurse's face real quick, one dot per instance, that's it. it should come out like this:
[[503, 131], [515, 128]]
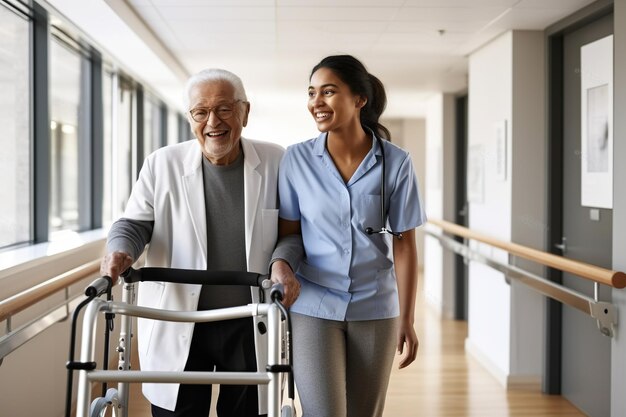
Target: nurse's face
[[331, 102], [217, 119]]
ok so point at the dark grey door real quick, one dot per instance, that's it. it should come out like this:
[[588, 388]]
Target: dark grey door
[[586, 354], [461, 206]]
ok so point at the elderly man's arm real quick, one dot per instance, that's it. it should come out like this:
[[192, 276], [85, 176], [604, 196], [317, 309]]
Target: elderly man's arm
[[126, 241], [286, 259]]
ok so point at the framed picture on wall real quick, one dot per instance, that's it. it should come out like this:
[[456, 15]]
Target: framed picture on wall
[[475, 174], [596, 97], [500, 152]]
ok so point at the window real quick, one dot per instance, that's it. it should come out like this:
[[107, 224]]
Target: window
[[15, 140], [184, 130], [69, 133], [123, 170], [107, 125], [51, 78], [152, 125], [172, 127]]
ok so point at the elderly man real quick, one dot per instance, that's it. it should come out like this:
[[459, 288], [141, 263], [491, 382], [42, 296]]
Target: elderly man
[[205, 204]]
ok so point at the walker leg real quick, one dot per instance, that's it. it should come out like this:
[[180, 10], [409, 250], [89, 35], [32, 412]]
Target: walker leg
[[273, 350], [124, 349]]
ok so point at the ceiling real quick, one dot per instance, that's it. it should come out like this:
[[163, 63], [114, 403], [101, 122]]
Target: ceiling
[[416, 47]]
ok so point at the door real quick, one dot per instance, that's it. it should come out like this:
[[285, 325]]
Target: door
[[586, 354], [461, 206]]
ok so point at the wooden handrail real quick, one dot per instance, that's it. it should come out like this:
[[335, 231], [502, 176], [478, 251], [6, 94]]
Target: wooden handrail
[[27, 298], [604, 276]]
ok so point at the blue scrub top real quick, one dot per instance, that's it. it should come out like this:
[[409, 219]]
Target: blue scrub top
[[347, 274]]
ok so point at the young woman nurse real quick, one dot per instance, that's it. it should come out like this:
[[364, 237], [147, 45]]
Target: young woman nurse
[[358, 279]]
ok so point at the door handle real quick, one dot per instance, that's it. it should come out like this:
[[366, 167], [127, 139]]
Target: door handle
[[463, 211], [562, 246]]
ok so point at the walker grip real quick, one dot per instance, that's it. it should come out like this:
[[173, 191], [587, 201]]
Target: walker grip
[[193, 276], [98, 287]]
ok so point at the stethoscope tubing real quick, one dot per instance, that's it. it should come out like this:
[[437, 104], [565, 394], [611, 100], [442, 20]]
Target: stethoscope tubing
[[383, 229]]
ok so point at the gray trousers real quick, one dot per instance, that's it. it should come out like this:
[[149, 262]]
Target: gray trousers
[[342, 368]]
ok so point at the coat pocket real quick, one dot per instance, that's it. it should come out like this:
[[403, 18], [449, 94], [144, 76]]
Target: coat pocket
[[149, 295]]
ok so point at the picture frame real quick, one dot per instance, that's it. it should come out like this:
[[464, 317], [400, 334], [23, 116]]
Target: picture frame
[[596, 97], [476, 174], [500, 150]]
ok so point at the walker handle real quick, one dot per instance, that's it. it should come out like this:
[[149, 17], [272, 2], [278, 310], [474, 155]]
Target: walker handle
[[193, 276], [277, 292], [98, 287]]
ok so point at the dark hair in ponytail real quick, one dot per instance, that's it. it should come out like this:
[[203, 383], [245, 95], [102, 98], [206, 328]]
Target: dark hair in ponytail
[[352, 72]]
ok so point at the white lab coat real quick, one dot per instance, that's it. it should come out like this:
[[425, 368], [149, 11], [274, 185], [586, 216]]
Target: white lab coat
[[170, 191]]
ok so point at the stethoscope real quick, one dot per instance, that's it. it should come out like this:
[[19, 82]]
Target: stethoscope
[[383, 229]]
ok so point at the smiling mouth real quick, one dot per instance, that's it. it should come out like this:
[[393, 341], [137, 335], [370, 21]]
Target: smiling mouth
[[322, 115], [216, 134]]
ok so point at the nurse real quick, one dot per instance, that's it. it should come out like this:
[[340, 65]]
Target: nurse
[[358, 283]]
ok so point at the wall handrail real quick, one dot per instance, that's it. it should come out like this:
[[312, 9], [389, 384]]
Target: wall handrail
[[604, 313], [615, 279], [33, 295]]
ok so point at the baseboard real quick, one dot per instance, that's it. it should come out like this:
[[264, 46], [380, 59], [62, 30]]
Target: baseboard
[[486, 362], [509, 382], [524, 383]]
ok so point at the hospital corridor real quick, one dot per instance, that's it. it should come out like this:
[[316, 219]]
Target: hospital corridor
[[268, 197]]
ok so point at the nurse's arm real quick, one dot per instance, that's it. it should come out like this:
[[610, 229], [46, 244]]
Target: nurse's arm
[[405, 264]]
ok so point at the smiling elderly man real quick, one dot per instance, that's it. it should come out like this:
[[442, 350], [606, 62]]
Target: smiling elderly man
[[209, 203]]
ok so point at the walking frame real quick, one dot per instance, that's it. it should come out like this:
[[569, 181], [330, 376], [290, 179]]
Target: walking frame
[[279, 360]]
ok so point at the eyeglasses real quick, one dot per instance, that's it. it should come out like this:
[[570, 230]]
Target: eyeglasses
[[223, 112]]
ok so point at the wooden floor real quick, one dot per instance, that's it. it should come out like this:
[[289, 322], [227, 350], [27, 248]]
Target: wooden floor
[[443, 382]]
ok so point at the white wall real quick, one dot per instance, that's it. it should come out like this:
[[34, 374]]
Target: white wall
[[507, 84], [433, 253], [489, 298], [439, 200]]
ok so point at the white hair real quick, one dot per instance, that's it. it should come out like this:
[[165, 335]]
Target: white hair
[[214, 74]]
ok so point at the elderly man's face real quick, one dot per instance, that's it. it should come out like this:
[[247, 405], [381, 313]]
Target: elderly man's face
[[219, 134]]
